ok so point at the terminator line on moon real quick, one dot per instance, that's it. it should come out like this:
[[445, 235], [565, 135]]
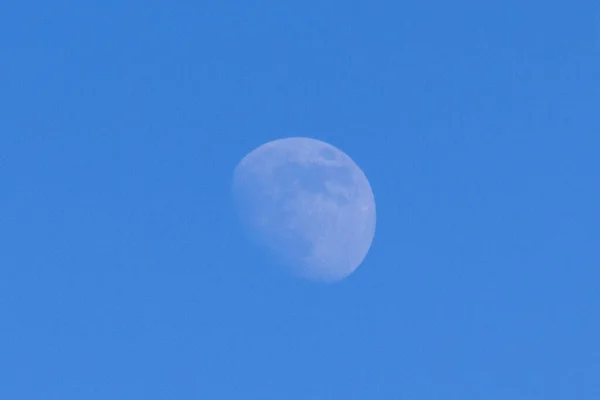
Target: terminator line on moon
[[307, 204]]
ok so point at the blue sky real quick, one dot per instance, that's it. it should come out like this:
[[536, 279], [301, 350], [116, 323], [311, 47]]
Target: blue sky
[[123, 271]]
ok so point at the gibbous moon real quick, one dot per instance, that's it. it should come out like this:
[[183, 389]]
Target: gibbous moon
[[307, 204]]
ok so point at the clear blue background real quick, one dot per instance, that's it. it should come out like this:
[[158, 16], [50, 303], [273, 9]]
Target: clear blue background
[[123, 272]]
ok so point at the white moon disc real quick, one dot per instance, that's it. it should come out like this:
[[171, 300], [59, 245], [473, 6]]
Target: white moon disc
[[308, 204]]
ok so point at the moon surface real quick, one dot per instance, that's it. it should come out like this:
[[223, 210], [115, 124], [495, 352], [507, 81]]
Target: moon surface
[[307, 204]]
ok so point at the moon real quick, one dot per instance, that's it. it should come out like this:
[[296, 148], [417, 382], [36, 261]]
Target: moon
[[308, 205]]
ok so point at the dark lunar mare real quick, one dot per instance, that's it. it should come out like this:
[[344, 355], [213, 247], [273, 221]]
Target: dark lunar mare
[[312, 178]]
